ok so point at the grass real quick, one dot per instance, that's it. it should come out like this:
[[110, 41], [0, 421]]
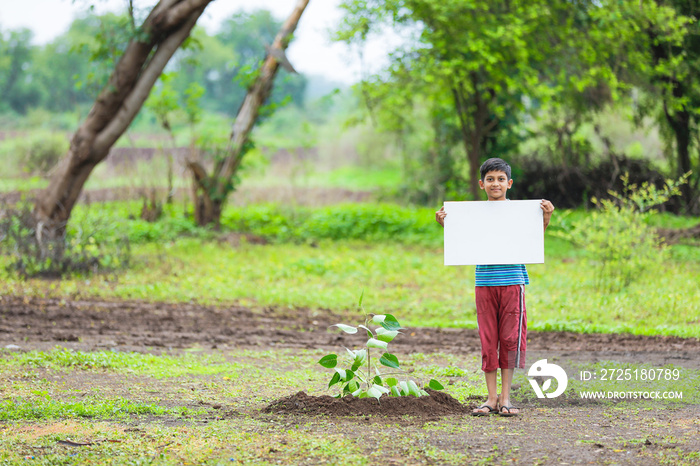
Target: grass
[[129, 414], [135, 363], [405, 280], [324, 257]]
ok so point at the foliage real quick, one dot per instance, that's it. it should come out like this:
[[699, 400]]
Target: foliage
[[660, 45], [84, 248], [71, 69], [368, 222], [173, 260], [618, 237], [571, 186], [225, 63], [34, 154], [475, 76], [16, 54], [42, 151], [363, 378]]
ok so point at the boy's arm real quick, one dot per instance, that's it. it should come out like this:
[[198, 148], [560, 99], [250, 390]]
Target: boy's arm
[[440, 216], [547, 208]]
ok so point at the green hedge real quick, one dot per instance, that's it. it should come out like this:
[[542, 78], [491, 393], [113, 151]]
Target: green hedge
[[370, 222], [275, 223]]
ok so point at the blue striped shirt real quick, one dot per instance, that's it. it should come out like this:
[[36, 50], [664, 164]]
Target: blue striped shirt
[[501, 275]]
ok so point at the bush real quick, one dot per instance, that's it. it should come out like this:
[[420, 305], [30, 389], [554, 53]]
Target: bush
[[618, 238], [573, 186], [369, 222], [37, 154], [90, 246]]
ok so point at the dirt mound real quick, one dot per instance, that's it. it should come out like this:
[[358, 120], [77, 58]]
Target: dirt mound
[[437, 404]]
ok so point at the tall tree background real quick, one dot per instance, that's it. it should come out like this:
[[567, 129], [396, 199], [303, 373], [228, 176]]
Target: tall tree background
[[501, 64]]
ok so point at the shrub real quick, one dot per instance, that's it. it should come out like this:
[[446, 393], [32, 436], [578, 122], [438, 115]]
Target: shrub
[[618, 238], [574, 186], [90, 246], [369, 222], [42, 152]]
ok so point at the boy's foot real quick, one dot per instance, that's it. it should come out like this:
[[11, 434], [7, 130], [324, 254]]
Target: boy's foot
[[508, 411], [484, 410]]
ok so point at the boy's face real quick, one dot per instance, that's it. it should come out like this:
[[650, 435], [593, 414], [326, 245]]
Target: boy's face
[[496, 183]]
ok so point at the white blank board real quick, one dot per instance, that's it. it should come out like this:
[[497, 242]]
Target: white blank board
[[494, 232]]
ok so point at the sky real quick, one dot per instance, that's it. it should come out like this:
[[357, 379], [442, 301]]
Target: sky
[[311, 52]]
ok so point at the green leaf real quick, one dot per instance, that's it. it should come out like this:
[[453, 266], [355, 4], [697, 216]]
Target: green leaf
[[329, 361], [346, 328], [374, 392], [334, 380], [360, 358], [395, 391], [381, 388], [374, 343], [351, 386], [386, 335], [377, 380], [390, 323], [378, 319], [342, 373], [391, 381], [435, 385], [404, 388], [362, 295], [369, 332], [389, 360], [413, 388]]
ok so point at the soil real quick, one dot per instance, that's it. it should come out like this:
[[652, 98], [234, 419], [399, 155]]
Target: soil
[[552, 431], [138, 325], [434, 405]]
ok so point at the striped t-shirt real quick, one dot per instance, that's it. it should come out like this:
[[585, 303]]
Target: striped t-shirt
[[501, 275]]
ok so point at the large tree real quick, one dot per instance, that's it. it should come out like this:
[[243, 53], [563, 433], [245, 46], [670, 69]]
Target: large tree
[[484, 56], [139, 66], [672, 44]]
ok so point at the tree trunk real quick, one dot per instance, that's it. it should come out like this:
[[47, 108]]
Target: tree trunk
[[680, 124], [165, 28], [213, 190], [474, 136]]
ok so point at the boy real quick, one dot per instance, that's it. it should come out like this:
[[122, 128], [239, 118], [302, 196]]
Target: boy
[[500, 303]]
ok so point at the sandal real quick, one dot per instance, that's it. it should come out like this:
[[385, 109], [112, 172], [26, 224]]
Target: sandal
[[491, 410], [508, 413]]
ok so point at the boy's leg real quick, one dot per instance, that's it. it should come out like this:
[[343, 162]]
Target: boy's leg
[[506, 381], [487, 320], [512, 337]]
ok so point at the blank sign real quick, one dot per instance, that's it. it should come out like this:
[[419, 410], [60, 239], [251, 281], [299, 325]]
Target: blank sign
[[494, 232]]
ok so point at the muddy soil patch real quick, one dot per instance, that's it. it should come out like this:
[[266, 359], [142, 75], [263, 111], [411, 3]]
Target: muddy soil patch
[[430, 407], [90, 324]]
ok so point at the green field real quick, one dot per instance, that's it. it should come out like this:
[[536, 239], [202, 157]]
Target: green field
[[324, 258]]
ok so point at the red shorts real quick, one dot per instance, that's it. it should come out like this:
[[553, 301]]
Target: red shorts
[[500, 313]]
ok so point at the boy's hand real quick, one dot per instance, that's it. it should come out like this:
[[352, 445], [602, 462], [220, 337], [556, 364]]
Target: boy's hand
[[440, 216], [547, 208]]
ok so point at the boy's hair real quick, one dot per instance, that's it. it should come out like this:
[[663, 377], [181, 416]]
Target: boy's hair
[[494, 164]]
